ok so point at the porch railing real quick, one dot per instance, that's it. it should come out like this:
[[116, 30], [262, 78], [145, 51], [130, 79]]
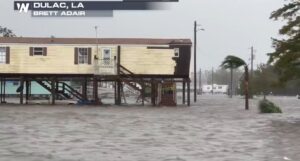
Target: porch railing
[[105, 67]]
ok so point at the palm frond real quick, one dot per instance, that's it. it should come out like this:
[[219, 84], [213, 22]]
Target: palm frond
[[232, 62]]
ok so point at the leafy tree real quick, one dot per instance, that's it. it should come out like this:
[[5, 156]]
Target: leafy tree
[[5, 32], [265, 79], [286, 58], [266, 82]]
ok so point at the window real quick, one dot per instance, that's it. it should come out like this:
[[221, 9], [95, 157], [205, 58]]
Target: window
[[106, 56], [38, 51], [2, 55], [220, 87], [83, 56]]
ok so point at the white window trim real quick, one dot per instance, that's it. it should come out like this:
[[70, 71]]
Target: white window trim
[[87, 55], [5, 55]]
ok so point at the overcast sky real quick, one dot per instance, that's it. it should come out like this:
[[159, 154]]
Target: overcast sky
[[231, 26]]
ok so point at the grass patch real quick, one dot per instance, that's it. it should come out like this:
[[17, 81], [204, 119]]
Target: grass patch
[[266, 106]]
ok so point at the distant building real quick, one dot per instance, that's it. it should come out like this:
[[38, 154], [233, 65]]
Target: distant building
[[216, 88]]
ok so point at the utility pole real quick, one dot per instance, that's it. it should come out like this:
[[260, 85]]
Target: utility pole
[[195, 58], [195, 61], [200, 82]]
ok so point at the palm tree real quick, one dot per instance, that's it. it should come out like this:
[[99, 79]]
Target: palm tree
[[232, 62]]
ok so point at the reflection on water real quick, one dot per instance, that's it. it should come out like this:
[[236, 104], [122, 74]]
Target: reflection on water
[[217, 128]]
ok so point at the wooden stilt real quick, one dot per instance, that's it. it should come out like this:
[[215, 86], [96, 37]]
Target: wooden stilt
[[119, 86], [53, 93], [143, 93], [115, 88], [30, 89], [1, 90], [188, 93], [4, 91], [84, 89], [156, 93], [95, 90], [21, 90], [183, 92], [56, 89], [153, 92], [123, 94], [27, 91]]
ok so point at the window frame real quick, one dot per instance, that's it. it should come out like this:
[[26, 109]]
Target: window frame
[[4, 56], [42, 51], [106, 60], [85, 56], [110, 53]]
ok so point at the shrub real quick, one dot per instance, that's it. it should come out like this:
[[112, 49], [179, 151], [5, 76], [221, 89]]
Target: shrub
[[266, 106]]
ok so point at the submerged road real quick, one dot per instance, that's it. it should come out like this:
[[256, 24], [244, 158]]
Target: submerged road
[[216, 129]]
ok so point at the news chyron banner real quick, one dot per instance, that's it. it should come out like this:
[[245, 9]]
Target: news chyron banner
[[85, 8]]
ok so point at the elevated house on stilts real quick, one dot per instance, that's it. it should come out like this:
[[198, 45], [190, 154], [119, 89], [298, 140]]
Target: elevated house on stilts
[[155, 64]]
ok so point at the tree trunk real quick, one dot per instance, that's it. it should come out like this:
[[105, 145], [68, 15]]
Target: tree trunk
[[246, 88], [231, 82]]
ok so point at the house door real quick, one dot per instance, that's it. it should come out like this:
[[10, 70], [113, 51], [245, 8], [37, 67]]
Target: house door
[[107, 57], [106, 64]]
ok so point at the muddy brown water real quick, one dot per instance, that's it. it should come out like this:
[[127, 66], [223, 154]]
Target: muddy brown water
[[215, 129]]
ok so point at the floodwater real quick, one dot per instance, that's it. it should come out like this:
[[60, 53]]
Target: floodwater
[[215, 129]]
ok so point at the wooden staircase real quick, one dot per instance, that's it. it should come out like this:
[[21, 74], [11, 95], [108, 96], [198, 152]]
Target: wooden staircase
[[136, 85], [63, 90]]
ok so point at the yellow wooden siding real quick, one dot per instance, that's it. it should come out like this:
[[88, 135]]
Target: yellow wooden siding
[[141, 60], [60, 60]]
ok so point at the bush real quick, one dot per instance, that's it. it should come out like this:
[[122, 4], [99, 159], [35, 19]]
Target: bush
[[265, 106]]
